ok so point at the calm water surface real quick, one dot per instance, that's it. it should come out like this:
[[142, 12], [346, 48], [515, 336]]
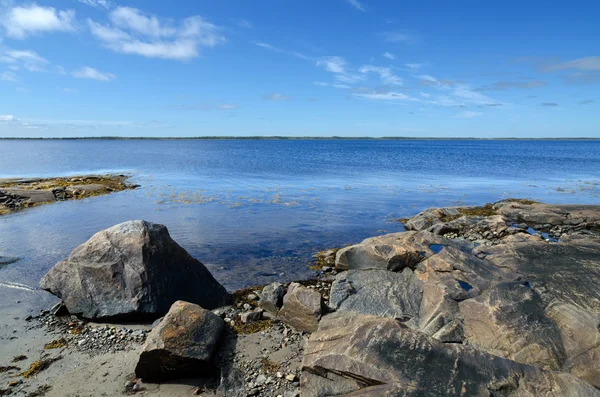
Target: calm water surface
[[251, 210]]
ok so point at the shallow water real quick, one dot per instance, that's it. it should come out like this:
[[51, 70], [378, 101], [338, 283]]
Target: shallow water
[[252, 210]]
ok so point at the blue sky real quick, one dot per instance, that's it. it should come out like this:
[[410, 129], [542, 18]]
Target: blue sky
[[300, 68]]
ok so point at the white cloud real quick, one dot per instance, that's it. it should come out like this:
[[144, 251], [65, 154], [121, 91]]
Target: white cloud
[[356, 4], [7, 117], [388, 55], [470, 96], [9, 76], [105, 4], [245, 24], [587, 64], [395, 37], [87, 72], [29, 60], [275, 49], [335, 85], [386, 75], [220, 106], [133, 32], [388, 96], [276, 97], [413, 65], [338, 67], [467, 115], [20, 22]]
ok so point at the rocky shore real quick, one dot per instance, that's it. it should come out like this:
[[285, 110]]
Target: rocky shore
[[20, 193], [498, 300]]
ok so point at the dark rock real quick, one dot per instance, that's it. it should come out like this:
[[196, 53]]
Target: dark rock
[[131, 270], [353, 354], [271, 297], [302, 308], [182, 345]]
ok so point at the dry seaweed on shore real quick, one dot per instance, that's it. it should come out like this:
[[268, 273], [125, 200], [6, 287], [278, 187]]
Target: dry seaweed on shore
[[40, 391], [250, 328], [38, 366], [56, 344], [20, 357], [9, 368]]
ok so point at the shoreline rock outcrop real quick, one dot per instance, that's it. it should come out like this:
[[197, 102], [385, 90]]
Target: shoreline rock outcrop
[[133, 270], [498, 300]]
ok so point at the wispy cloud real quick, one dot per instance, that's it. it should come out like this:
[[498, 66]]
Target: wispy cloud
[[219, 106], [504, 85], [550, 104], [133, 32], [586, 64], [455, 94], [339, 67], [245, 24], [335, 85], [29, 60], [279, 50], [387, 96], [9, 76], [7, 117], [87, 72], [276, 97], [386, 75], [105, 4], [23, 21], [582, 78], [357, 5], [389, 55], [397, 37], [467, 115], [414, 65], [585, 102]]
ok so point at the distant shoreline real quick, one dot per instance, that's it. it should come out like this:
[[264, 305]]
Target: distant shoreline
[[293, 138]]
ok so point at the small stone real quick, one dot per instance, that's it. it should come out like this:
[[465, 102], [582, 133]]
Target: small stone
[[252, 297], [290, 377]]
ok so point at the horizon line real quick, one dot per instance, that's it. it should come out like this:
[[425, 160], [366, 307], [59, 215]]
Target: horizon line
[[284, 137]]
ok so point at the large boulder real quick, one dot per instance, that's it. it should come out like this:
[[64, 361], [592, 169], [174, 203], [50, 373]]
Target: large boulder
[[182, 345], [354, 354], [302, 308], [129, 271]]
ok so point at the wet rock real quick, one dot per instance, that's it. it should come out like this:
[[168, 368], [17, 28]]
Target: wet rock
[[182, 345], [374, 356], [131, 270], [271, 297], [302, 308], [378, 292]]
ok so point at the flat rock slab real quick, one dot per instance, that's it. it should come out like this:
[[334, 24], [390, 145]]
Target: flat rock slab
[[354, 354], [30, 195], [93, 187], [378, 292], [182, 345], [130, 271]]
